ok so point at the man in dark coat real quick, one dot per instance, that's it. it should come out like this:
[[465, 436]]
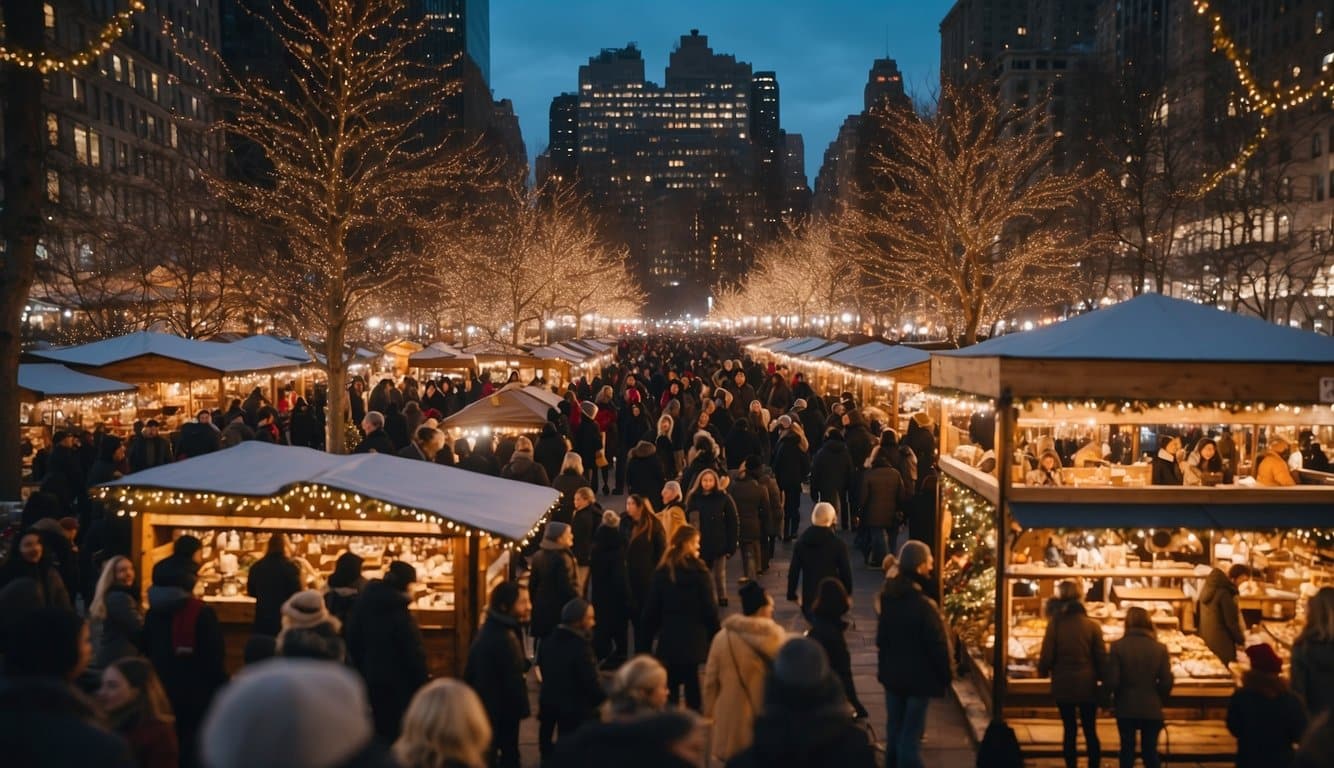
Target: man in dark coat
[[496, 668], [552, 579], [742, 394], [550, 449], [882, 494], [385, 645], [751, 500], [588, 440], [741, 441], [150, 449], [571, 691], [198, 437], [609, 590], [791, 465], [914, 653], [832, 473], [643, 471], [811, 420], [376, 439], [523, 467], [273, 578], [819, 554], [1220, 618]]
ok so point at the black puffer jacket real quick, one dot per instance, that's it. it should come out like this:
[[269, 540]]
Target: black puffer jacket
[[496, 668], [608, 581], [914, 651], [818, 555], [570, 685], [550, 450], [681, 614], [832, 470], [715, 516], [791, 464], [805, 740], [552, 582], [385, 645], [525, 469], [643, 472], [751, 500]]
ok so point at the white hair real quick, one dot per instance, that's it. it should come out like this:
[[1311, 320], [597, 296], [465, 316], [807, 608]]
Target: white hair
[[823, 515], [572, 462]]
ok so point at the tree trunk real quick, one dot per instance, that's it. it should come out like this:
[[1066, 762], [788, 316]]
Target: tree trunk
[[20, 222], [336, 365], [578, 324]]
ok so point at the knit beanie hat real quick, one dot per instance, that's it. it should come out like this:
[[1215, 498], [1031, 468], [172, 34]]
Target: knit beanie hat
[[1264, 659], [294, 713], [306, 609], [590, 410], [400, 574], [753, 597], [803, 681], [574, 611], [555, 530], [911, 556]]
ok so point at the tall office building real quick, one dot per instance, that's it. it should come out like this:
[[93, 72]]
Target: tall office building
[[560, 162], [849, 159], [975, 32], [796, 190], [676, 165]]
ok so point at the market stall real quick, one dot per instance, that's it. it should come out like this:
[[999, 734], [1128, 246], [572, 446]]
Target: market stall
[[1012, 528], [879, 374], [513, 408], [456, 528], [501, 360], [399, 354], [439, 358], [176, 375], [52, 396]]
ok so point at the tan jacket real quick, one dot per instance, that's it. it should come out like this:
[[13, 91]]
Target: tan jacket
[[1273, 470], [739, 660]]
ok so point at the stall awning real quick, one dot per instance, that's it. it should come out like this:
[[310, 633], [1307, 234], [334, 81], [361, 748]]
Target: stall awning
[[42, 381], [273, 345], [821, 353], [436, 353], [798, 346], [253, 469], [514, 406], [220, 359], [878, 357]]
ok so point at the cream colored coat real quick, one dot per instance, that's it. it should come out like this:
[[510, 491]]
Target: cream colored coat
[[739, 661]]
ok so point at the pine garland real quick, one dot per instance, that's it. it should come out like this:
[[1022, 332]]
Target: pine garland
[[970, 569], [351, 437]]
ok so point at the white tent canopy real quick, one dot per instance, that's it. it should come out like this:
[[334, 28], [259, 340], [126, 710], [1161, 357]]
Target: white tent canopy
[[437, 351], [505, 508], [50, 380], [274, 345], [225, 359], [878, 357], [514, 406]]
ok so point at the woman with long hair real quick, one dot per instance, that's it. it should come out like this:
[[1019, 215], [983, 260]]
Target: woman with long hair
[[713, 512], [665, 444], [445, 727], [646, 543], [29, 559], [1075, 657], [115, 619], [682, 615], [828, 628], [138, 709], [1313, 655]]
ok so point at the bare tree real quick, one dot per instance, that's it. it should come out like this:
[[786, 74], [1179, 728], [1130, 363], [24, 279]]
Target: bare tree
[[354, 187]]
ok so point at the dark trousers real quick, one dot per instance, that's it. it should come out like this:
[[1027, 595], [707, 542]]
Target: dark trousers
[[549, 727], [791, 511], [505, 744], [1148, 731], [750, 558], [687, 675], [1088, 721], [643, 643], [611, 639], [766, 551]]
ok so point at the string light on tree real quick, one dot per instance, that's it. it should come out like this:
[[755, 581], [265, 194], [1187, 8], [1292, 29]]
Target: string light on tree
[[45, 63]]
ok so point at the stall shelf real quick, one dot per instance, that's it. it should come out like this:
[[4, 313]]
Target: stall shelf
[[456, 528]]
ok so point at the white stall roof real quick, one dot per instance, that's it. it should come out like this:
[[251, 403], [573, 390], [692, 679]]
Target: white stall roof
[[275, 345], [48, 380], [1152, 327], [254, 469], [878, 357], [222, 358], [438, 350], [820, 353], [514, 406]]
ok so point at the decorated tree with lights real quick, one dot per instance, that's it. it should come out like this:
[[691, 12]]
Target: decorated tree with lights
[[968, 212], [24, 61], [353, 189]]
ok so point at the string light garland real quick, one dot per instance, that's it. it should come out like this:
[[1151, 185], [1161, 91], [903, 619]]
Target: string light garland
[[44, 63], [970, 563], [1118, 406]]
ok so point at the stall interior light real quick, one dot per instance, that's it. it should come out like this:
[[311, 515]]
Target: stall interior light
[[1116, 406]]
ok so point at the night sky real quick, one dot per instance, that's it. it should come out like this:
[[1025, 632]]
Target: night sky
[[821, 51]]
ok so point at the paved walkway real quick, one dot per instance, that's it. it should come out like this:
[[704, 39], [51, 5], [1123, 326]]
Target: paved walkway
[[948, 743]]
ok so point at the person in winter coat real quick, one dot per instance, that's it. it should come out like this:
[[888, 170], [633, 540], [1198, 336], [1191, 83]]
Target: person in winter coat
[[914, 658], [1313, 655], [832, 472], [138, 709], [829, 628], [303, 428], [670, 739], [198, 437], [445, 727], [115, 621], [385, 645], [883, 492], [588, 441], [634, 426], [665, 443], [523, 466], [1266, 717], [860, 444], [734, 674], [553, 579], [344, 587], [496, 669], [1047, 472], [673, 512], [646, 542], [110, 456], [1166, 468], [1272, 469], [751, 500], [712, 512], [571, 692], [772, 523], [29, 559], [183, 639], [273, 578], [703, 456], [1139, 676], [609, 590], [570, 479], [791, 465], [818, 555], [587, 516], [643, 471], [921, 438], [150, 449], [1220, 617], [550, 449], [741, 441], [805, 722], [376, 439], [681, 615], [1075, 657], [425, 444]]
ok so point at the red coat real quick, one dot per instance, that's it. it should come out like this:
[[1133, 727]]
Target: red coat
[[153, 743]]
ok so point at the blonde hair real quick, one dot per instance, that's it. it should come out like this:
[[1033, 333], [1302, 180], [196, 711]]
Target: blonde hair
[[97, 609], [444, 722], [632, 683], [1319, 617], [572, 461]]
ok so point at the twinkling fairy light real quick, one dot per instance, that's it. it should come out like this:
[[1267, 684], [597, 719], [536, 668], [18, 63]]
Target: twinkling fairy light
[[110, 32]]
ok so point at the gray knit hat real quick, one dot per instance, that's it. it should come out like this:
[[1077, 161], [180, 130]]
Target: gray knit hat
[[573, 612], [912, 554], [555, 530]]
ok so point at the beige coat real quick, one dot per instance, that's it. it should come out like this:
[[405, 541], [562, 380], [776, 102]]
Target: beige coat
[[739, 661]]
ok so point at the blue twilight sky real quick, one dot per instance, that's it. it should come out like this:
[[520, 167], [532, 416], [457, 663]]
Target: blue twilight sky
[[821, 50]]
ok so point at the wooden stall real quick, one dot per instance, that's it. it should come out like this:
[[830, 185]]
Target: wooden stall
[[881, 375], [511, 409], [52, 396], [1010, 533], [440, 358], [456, 528]]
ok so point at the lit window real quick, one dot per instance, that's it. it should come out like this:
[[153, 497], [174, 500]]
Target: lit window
[[52, 129], [49, 11]]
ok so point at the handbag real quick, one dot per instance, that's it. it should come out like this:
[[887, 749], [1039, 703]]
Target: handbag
[[601, 459]]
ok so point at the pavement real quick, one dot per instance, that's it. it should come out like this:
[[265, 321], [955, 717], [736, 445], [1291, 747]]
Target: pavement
[[948, 742]]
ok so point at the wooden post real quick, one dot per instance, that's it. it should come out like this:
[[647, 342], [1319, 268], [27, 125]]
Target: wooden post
[[1005, 420], [222, 398]]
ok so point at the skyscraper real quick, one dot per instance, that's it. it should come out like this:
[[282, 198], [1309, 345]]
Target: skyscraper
[[975, 32], [850, 157], [676, 166]]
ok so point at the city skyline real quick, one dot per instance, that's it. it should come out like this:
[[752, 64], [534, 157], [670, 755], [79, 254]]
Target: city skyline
[[536, 50]]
